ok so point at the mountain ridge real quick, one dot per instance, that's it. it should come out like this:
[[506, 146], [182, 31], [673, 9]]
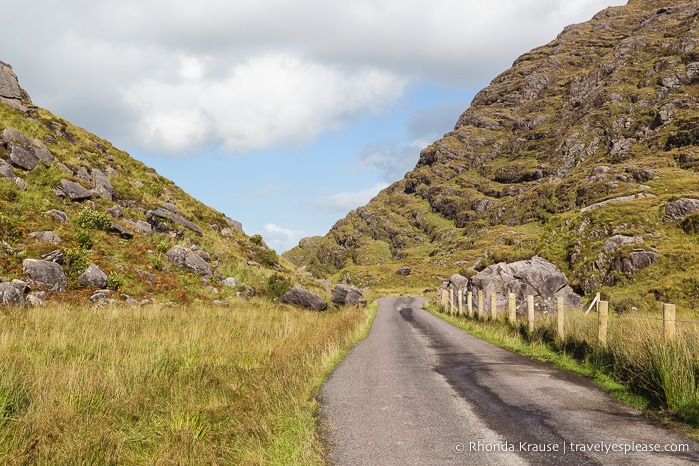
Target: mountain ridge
[[606, 111]]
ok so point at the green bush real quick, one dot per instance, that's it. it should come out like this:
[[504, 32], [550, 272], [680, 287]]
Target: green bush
[[114, 280], [76, 262], [278, 285], [83, 239], [9, 229], [89, 218]]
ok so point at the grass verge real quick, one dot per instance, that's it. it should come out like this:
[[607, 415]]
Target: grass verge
[[168, 385]]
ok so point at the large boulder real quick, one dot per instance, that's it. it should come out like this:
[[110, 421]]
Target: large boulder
[[345, 295], [22, 156], [46, 272], [45, 236], [6, 171], [10, 295], [188, 259], [75, 191], [536, 276], [93, 277], [299, 296], [101, 184]]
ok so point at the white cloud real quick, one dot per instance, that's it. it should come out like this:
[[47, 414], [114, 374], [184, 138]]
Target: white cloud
[[282, 239], [256, 73], [269, 100], [345, 201], [390, 160]]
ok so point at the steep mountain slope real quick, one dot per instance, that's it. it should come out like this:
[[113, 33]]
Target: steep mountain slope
[[584, 152], [70, 199]]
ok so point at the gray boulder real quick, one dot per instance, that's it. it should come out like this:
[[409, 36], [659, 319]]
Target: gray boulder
[[679, 209], [345, 295], [36, 298], [188, 259], [536, 276], [45, 237], [10, 92], [139, 226], [46, 272], [404, 271], [618, 241], [23, 156], [6, 171], [101, 184], [56, 256], [75, 191], [636, 260], [155, 217], [93, 277], [9, 135], [10, 295], [58, 215], [299, 296], [42, 152], [120, 231]]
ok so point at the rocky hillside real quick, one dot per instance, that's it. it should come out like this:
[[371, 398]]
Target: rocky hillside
[[81, 220], [585, 152]]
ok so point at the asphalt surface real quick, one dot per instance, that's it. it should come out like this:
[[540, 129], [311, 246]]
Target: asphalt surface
[[420, 391]]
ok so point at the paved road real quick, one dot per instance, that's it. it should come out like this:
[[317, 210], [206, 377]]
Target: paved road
[[418, 390]]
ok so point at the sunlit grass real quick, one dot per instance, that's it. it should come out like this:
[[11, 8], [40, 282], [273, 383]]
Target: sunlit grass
[[167, 385]]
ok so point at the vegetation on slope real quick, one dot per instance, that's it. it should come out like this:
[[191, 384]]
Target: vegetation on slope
[[607, 110]]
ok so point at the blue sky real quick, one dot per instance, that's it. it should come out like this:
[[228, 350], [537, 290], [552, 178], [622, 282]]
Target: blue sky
[[284, 115]]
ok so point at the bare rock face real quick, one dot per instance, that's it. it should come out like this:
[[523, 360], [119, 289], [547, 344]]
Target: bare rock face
[[188, 259], [157, 216], [101, 184], [299, 296], [23, 156], [10, 92], [680, 208], [46, 272], [75, 191], [345, 295], [537, 277]]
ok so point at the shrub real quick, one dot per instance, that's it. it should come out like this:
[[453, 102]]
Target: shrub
[[9, 229], [89, 218], [76, 262], [114, 280], [278, 285], [83, 239]]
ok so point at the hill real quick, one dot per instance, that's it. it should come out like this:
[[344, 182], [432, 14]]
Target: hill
[[584, 152], [71, 202]]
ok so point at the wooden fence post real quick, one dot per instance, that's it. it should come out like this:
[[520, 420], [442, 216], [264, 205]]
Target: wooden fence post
[[480, 304], [451, 301], [444, 299], [602, 318], [530, 312], [493, 306], [512, 307], [460, 299], [669, 321], [560, 314], [469, 303]]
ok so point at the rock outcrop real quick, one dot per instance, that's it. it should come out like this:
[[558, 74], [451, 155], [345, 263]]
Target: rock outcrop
[[46, 272], [93, 277], [345, 295], [299, 296], [188, 259]]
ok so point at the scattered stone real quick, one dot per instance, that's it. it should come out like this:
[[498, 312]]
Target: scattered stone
[[9, 135], [226, 233], [298, 296], [56, 256], [345, 295], [140, 226], [154, 216], [101, 297], [42, 152], [6, 171], [117, 229], [170, 207], [188, 259], [93, 277], [147, 276], [45, 237], [253, 264], [101, 184], [404, 271], [10, 295], [115, 211], [36, 298], [58, 215], [46, 272], [632, 197], [75, 191], [231, 282]]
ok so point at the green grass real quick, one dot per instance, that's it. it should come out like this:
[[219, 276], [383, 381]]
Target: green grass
[[168, 385]]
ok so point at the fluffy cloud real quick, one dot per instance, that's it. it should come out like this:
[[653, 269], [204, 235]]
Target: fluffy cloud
[[282, 239], [274, 99], [342, 202]]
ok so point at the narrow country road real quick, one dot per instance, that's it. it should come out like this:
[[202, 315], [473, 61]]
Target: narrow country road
[[418, 390]]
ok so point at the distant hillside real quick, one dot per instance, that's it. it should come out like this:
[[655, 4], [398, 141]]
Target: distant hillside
[[585, 152], [69, 199]]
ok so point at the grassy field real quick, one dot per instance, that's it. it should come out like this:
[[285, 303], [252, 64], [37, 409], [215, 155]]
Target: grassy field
[[167, 385], [638, 365]]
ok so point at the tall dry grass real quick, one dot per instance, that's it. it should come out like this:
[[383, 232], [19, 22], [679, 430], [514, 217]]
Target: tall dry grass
[[167, 385]]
